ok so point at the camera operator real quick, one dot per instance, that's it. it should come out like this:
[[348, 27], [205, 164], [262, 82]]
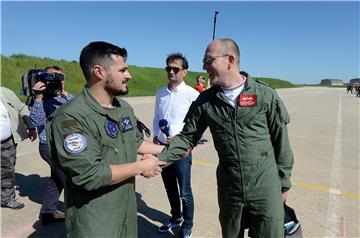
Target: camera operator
[[49, 95]]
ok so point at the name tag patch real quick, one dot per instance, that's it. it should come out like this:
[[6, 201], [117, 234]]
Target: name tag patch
[[126, 124], [75, 143], [247, 100]]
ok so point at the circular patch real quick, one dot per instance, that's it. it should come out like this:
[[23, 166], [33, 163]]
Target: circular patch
[[75, 143], [111, 129]]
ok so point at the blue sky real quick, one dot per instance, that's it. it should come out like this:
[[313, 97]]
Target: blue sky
[[302, 42]]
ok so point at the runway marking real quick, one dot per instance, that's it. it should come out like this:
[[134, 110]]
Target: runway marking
[[298, 183], [334, 226]]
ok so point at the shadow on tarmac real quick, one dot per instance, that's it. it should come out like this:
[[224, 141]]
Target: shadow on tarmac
[[146, 229], [33, 187]]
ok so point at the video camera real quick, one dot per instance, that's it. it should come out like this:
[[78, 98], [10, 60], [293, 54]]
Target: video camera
[[51, 80]]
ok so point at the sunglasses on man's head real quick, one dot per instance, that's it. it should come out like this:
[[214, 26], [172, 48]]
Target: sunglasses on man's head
[[208, 59], [174, 69]]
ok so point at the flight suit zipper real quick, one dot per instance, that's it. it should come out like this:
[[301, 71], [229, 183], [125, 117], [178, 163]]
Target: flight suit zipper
[[233, 114]]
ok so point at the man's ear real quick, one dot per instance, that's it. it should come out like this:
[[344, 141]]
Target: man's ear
[[98, 71], [231, 61], [185, 72]]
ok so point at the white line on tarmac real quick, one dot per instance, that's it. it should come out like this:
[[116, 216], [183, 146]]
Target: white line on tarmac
[[335, 221]]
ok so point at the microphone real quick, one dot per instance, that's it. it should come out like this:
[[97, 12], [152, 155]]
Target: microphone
[[164, 127]]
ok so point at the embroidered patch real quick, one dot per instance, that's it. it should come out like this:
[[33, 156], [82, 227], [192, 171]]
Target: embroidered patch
[[247, 100], [111, 129], [126, 124], [75, 143]]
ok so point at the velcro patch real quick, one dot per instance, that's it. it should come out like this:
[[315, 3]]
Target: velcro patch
[[126, 124], [68, 123], [75, 143], [247, 100]]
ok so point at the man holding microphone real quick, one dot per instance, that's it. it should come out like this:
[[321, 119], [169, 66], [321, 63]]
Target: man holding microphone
[[172, 104]]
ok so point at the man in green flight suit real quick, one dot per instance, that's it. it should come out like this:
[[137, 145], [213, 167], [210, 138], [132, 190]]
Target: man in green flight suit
[[95, 140], [248, 122]]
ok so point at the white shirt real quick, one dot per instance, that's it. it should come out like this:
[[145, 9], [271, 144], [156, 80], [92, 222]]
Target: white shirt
[[5, 122], [172, 106], [232, 94]]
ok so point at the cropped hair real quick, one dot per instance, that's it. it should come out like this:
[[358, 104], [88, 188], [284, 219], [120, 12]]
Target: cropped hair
[[100, 53], [230, 46], [176, 56], [54, 67]]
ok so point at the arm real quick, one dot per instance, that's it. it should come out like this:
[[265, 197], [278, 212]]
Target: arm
[[195, 125], [278, 121], [156, 120], [149, 148], [121, 172], [23, 113]]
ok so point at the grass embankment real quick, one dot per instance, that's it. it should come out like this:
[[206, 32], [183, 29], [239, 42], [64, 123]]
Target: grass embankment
[[147, 80]]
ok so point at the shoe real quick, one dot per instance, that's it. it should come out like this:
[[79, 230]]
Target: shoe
[[49, 218], [200, 142], [170, 225], [185, 233], [13, 204]]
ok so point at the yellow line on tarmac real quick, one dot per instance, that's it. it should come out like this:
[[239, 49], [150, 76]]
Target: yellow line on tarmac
[[324, 189], [300, 184]]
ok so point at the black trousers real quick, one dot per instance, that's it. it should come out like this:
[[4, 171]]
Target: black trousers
[[8, 160]]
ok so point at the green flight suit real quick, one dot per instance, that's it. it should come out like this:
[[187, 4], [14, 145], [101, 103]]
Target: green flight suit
[[255, 158], [85, 139]]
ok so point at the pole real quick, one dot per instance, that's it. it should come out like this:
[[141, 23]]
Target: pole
[[216, 12]]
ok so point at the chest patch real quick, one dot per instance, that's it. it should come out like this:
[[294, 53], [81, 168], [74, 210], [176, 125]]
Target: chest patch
[[126, 124], [111, 129], [75, 143], [247, 100]]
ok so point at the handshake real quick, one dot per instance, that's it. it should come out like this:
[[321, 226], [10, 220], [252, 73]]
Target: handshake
[[151, 166]]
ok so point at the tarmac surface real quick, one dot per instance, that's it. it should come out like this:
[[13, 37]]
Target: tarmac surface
[[325, 138]]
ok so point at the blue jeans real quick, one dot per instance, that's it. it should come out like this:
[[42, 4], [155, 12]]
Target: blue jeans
[[180, 172]]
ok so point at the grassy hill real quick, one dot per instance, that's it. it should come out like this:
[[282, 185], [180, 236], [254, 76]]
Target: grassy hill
[[147, 80]]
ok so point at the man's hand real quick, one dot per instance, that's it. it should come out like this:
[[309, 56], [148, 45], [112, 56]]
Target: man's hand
[[39, 88], [284, 196], [155, 140], [151, 166], [32, 134]]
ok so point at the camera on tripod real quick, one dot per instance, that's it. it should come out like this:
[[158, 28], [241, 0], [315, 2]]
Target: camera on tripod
[[51, 80]]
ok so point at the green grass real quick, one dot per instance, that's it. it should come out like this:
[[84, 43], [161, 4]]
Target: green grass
[[146, 80]]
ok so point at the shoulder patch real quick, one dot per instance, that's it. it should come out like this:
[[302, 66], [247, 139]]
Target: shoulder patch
[[67, 123], [75, 143]]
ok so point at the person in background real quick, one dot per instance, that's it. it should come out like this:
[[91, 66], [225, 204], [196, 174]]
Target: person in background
[[200, 84], [14, 127], [200, 87], [48, 97], [248, 122], [95, 140], [172, 104]]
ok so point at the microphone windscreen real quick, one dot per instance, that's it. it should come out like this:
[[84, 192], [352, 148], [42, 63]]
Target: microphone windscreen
[[164, 126]]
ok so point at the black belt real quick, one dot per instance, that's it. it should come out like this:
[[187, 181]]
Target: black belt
[[6, 140]]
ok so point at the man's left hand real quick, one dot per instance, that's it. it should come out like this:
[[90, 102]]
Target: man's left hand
[[32, 134]]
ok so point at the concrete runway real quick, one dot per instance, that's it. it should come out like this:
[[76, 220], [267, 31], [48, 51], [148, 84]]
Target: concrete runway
[[325, 138]]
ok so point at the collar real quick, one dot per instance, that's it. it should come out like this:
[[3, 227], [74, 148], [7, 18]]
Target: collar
[[180, 87], [96, 106]]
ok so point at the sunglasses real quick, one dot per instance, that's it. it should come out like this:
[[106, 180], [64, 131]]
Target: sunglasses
[[174, 69], [208, 59]]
